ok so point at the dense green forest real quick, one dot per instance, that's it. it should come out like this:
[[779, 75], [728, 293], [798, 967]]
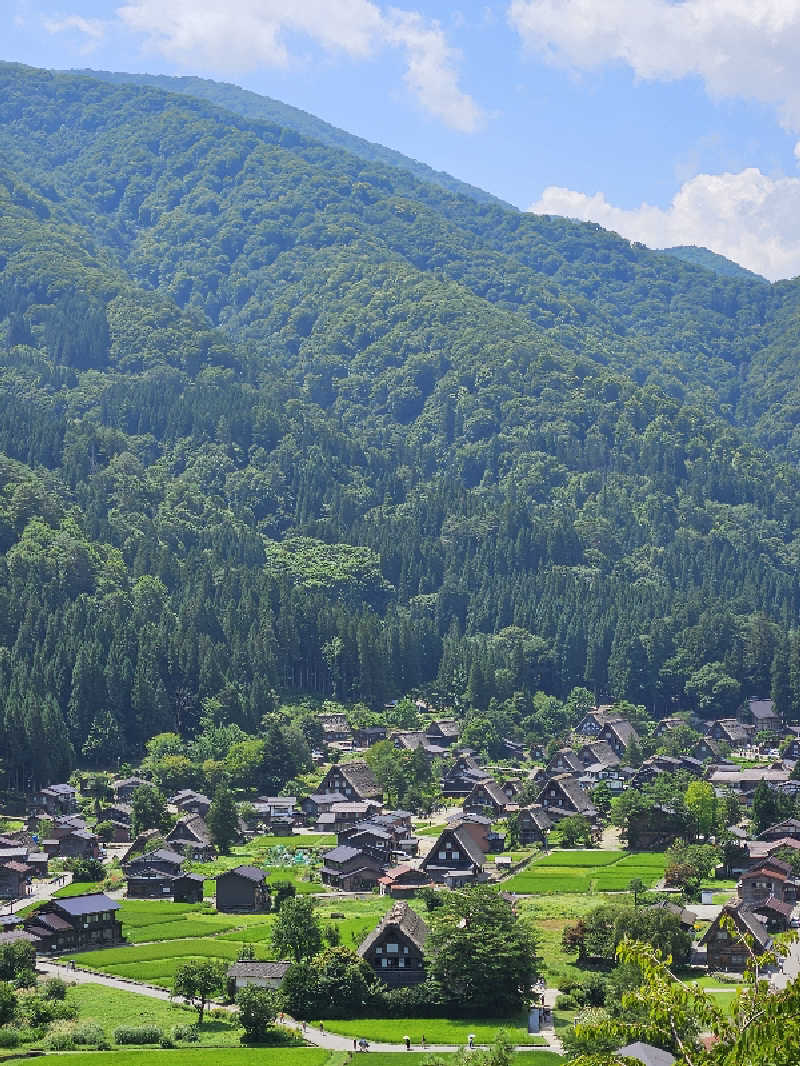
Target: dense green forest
[[252, 105], [276, 419], [691, 253]]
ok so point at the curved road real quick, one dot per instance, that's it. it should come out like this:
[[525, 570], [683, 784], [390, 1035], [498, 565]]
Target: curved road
[[319, 1037]]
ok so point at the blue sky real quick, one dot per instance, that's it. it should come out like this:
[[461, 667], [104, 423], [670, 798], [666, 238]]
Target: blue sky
[[671, 121]]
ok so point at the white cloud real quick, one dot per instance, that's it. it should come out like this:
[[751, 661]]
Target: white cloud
[[748, 217], [740, 48], [243, 34], [432, 74], [94, 30]]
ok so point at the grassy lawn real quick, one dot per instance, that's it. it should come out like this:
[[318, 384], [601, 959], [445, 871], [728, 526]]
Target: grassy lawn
[[515, 856], [723, 992], [435, 1030], [77, 888], [429, 830], [111, 1007], [550, 914], [239, 1056], [421, 1058]]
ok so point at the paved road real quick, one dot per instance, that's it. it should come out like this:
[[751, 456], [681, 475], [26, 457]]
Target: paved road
[[42, 890], [313, 1034], [790, 969]]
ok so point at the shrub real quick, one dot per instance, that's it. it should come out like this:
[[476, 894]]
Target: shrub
[[86, 869], [16, 958], [415, 1001], [187, 1033], [9, 1038], [41, 1011], [54, 988], [8, 1003], [61, 1038], [258, 1008], [280, 1037], [25, 979], [166, 1041], [89, 1033], [137, 1034], [283, 890], [588, 990], [565, 1002]]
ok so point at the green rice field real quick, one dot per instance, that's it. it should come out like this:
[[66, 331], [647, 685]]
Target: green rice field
[[586, 871], [163, 935]]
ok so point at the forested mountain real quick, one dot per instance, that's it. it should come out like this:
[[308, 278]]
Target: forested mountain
[[718, 264], [252, 105], [279, 419]]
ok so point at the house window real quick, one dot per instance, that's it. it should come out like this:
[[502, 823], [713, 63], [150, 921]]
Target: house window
[[456, 855], [405, 950], [442, 854], [384, 963], [392, 948]]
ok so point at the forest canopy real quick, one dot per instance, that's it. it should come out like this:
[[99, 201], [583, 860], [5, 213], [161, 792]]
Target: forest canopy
[[280, 420]]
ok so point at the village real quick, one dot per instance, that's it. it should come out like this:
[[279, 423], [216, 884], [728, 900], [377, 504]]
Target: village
[[701, 834]]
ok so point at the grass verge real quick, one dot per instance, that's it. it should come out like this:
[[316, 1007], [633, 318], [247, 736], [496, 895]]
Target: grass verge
[[435, 1030]]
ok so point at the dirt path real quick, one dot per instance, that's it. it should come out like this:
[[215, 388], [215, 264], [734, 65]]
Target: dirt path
[[609, 841]]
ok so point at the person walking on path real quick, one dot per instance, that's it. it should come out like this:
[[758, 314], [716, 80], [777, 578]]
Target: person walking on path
[[407, 1041]]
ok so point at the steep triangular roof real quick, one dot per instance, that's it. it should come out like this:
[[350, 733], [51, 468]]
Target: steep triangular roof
[[402, 919]]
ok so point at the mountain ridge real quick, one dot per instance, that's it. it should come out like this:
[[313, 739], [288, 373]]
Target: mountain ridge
[[249, 104], [719, 264], [279, 418]]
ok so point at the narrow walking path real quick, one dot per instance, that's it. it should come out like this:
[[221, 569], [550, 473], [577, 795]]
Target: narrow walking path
[[313, 1034]]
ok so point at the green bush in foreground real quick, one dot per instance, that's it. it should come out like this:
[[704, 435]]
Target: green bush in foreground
[[9, 1038], [138, 1034]]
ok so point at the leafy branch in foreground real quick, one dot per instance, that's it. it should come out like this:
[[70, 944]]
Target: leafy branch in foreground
[[761, 1028]]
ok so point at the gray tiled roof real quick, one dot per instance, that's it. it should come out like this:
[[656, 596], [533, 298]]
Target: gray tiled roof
[[647, 1054], [342, 853], [251, 873], [91, 903], [274, 971]]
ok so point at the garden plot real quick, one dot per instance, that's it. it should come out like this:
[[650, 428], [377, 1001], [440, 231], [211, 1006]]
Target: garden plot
[[275, 855]]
